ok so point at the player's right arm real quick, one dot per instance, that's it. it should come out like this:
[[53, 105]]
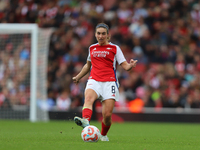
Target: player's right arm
[[83, 72]]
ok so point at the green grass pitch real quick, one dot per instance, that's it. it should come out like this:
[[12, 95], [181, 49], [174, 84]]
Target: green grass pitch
[[65, 135]]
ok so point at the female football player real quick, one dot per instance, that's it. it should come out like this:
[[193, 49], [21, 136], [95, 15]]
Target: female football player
[[102, 83]]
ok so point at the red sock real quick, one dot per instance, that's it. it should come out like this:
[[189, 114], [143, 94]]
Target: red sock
[[87, 113], [104, 129]]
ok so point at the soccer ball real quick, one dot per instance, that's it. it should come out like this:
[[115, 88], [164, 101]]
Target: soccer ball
[[90, 134]]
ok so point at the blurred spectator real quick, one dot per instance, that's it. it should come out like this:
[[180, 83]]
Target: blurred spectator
[[63, 101], [138, 52], [136, 105], [2, 97], [4, 101], [195, 13], [139, 11], [123, 13], [138, 28]]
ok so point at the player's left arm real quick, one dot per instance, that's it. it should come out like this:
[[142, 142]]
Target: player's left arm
[[128, 66], [122, 61]]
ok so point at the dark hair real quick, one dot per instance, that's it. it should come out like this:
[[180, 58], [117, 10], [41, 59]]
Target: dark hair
[[102, 25]]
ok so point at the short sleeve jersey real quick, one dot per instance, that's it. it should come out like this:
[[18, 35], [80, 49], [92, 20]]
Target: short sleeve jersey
[[104, 60]]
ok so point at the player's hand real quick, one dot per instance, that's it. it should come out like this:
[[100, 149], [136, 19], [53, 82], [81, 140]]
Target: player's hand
[[133, 63], [75, 80]]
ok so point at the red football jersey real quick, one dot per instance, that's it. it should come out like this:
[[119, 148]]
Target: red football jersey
[[104, 60]]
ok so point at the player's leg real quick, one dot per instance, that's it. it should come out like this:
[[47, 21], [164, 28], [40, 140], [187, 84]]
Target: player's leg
[[90, 97], [107, 109]]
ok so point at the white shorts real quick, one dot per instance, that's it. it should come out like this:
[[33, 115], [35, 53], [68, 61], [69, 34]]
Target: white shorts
[[104, 90]]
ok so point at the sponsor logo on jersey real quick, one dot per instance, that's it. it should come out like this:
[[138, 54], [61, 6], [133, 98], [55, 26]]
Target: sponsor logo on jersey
[[100, 53]]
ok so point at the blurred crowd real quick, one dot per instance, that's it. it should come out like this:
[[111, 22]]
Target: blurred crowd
[[163, 35]]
